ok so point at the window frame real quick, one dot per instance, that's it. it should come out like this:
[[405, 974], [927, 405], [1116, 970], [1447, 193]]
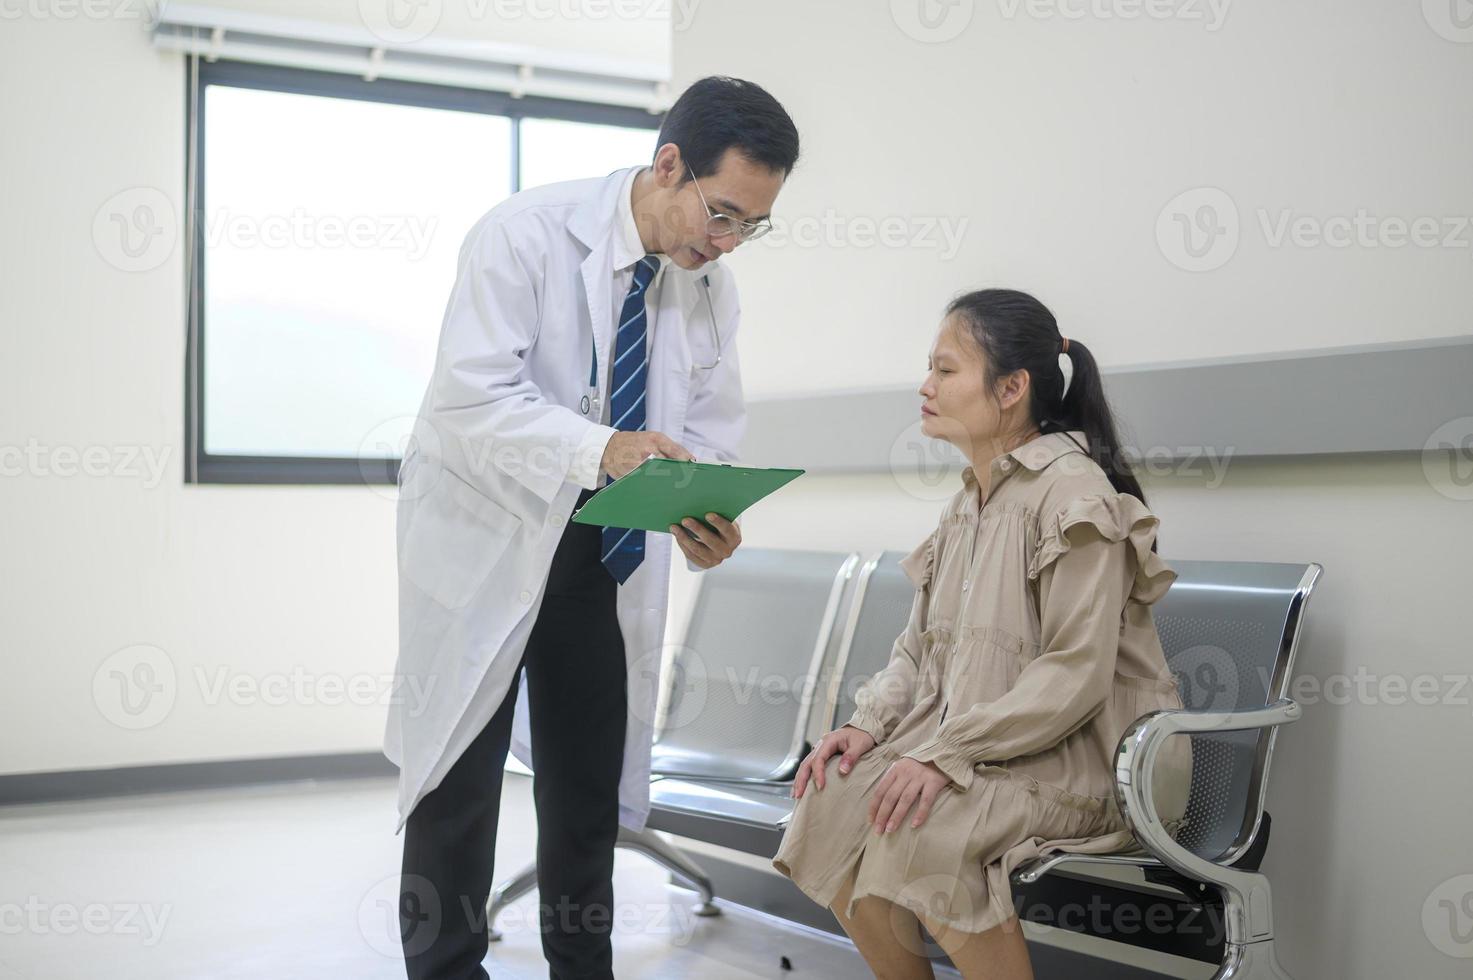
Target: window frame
[[204, 467]]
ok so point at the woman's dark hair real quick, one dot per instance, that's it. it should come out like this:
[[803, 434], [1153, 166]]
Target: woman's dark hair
[[717, 114], [1017, 332]]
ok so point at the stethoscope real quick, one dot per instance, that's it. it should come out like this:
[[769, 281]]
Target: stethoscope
[[586, 404]]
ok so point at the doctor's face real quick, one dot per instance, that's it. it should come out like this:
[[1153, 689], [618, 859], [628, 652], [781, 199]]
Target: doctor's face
[[738, 189]]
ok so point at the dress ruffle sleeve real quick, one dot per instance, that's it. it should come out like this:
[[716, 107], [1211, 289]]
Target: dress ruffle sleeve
[[920, 564], [1119, 517]]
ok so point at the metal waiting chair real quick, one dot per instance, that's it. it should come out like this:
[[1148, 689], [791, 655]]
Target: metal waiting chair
[[750, 814], [883, 597], [726, 749], [1230, 631]]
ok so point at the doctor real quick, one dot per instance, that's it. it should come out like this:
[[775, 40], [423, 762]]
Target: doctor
[[590, 326]]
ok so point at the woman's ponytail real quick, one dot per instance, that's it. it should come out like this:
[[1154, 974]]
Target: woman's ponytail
[[1017, 332]]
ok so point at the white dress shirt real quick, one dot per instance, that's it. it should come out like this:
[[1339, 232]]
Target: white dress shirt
[[627, 251]]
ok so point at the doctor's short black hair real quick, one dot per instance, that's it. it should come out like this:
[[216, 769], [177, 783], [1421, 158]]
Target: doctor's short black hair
[[718, 113]]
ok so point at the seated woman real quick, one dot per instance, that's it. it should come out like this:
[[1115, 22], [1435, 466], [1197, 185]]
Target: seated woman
[[989, 739]]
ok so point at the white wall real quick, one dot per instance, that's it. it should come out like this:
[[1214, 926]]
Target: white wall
[[286, 593], [1060, 141], [1054, 145]]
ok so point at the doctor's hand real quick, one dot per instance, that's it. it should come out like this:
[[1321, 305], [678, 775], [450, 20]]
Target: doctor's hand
[[707, 545], [853, 742], [626, 450]]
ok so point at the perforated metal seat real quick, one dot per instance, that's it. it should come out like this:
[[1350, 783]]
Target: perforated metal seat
[[1230, 631], [884, 595], [740, 693], [725, 760], [743, 679], [751, 815]]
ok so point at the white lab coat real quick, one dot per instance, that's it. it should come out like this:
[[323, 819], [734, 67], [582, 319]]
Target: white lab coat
[[484, 487]]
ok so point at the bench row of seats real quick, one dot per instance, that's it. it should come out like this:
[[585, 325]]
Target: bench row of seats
[[778, 642]]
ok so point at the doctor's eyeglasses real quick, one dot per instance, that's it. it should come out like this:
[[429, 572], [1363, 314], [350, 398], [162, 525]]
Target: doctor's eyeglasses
[[720, 225]]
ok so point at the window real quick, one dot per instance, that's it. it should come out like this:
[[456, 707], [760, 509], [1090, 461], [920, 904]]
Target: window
[[330, 212]]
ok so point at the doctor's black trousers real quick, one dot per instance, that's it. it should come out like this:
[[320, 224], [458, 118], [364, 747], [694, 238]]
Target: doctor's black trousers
[[574, 669]]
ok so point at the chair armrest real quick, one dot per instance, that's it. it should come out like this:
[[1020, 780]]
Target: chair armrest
[[1277, 713], [1135, 759]]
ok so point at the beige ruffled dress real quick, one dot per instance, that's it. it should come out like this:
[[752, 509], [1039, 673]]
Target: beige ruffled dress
[[1030, 648]]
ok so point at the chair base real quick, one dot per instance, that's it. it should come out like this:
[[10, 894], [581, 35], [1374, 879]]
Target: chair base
[[645, 842], [1251, 961], [1246, 901]]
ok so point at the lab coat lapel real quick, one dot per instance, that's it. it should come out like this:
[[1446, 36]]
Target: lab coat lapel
[[592, 224], [593, 230], [680, 306], [594, 271]]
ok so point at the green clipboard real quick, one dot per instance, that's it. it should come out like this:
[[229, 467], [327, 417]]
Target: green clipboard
[[660, 492]]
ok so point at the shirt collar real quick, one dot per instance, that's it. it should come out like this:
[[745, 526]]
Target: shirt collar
[[1035, 454], [628, 249]]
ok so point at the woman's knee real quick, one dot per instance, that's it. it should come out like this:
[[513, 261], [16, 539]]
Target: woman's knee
[[878, 923], [1001, 948], [840, 905]]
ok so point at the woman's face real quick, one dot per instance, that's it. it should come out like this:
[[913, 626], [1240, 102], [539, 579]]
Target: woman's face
[[958, 407]]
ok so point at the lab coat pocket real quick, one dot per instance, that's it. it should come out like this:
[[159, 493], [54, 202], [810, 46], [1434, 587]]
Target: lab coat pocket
[[457, 535]]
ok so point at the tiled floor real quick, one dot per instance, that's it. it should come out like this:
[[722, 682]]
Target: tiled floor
[[297, 880]]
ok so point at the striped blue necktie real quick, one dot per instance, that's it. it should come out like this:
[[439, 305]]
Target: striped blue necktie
[[623, 548]]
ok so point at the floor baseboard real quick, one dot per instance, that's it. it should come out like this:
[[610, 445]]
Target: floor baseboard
[[86, 784]]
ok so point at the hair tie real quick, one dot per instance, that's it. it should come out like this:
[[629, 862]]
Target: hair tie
[[1066, 367]]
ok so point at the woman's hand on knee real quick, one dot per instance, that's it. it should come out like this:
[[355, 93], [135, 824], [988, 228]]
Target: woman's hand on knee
[[904, 784], [851, 741]]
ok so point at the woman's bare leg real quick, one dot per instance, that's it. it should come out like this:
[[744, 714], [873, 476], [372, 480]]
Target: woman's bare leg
[[887, 935], [996, 954]]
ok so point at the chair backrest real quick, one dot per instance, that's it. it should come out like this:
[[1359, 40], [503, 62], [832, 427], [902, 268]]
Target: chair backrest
[[742, 680], [883, 595], [1230, 631]]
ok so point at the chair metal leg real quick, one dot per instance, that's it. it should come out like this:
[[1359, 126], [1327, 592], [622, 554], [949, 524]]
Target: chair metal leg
[[1251, 961], [671, 858], [507, 892], [1247, 915], [674, 860]]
